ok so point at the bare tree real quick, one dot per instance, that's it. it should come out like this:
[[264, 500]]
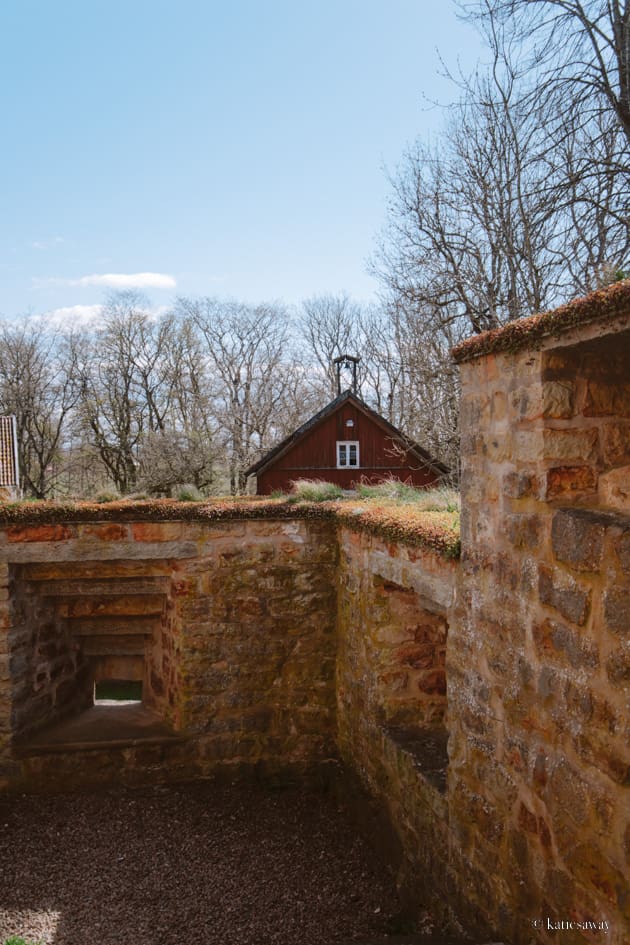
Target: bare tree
[[578, 49], [123, 385], [330, 326], [38, 384], [520, 204], [252, 376]]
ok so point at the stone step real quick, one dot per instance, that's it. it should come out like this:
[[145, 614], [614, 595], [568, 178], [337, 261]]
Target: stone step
[[113, 646], [83, 587], [111, 606], [112, 626]]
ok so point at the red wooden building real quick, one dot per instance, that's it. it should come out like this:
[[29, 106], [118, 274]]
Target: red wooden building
[[345, 443]]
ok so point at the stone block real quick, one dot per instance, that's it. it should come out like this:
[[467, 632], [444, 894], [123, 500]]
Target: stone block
[[577, 538], [528, 446], [558, 642], [617, 610], [22, 533], [111, 606], [526, 402], [616, 442], [570, 444], [622, 549], [605, 397], [557, 399], [567, 793], [524, 531], [433, 683], [593, 869], [566, 480], [157, 531], [519, 485], [613, 488], [618, 667], [105, 531], [564, 594]]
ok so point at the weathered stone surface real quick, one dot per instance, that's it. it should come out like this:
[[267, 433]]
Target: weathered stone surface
[[524, 531], [617, 610], [605, 397], [111, 605], [157, 531], [571, 445], [564, 480], [17, 533], [558, 399], [613, 488], [557, 642], [277, 637], [518, 485], [564, 594], [622, 548], [618, 667], [577, 538], [616, 442]]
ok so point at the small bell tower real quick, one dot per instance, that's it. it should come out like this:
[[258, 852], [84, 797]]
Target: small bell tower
[[347, 362]]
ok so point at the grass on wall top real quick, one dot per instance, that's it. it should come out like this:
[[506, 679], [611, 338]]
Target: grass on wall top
[[527, 333], [393, 511]]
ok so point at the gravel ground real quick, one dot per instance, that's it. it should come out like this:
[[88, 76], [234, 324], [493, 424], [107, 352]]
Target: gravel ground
[[202, 863]]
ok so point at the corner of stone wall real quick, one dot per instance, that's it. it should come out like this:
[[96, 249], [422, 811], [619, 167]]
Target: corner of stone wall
[[538, 668]]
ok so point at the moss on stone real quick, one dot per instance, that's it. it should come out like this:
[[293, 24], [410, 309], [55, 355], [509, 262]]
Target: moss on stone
[[523, 333], [438, 531]]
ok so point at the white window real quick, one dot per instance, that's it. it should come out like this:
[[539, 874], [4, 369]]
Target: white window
[[347, 453]]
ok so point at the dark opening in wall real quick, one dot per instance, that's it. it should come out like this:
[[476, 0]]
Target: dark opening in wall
[[117, 690]]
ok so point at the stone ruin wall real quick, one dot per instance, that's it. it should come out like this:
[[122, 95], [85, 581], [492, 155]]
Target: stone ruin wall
[[395, 603], [230, 628], [280, 643], [538, 663]]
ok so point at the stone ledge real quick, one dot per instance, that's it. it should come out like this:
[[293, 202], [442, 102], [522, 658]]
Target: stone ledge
[[427, 748], [100, 727], [39, 537]]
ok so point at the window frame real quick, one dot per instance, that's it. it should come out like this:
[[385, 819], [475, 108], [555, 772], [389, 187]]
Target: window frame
[[345, 445]]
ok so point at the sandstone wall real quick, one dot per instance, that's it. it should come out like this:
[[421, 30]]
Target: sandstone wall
[[230, 628], [394, 608], [256, 642], [538, 663]]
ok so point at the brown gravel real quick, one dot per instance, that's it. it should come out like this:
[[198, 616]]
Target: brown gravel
[[203, 864]]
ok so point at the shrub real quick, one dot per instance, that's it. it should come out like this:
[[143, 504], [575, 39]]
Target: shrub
[[187, 492], [440, 499], [107, 495], [314, 490]]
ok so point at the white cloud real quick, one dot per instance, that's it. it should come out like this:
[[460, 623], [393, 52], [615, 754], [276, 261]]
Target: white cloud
[[127, 280], [114, 280], [86, 316], [72, 316]]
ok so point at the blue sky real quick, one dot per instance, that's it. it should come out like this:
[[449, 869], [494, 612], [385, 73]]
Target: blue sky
[[205, 148]]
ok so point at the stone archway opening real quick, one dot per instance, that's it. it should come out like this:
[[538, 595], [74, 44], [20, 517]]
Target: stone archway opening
[[87, 648]]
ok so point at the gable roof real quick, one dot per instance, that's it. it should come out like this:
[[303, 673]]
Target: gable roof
[[346, 396]]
